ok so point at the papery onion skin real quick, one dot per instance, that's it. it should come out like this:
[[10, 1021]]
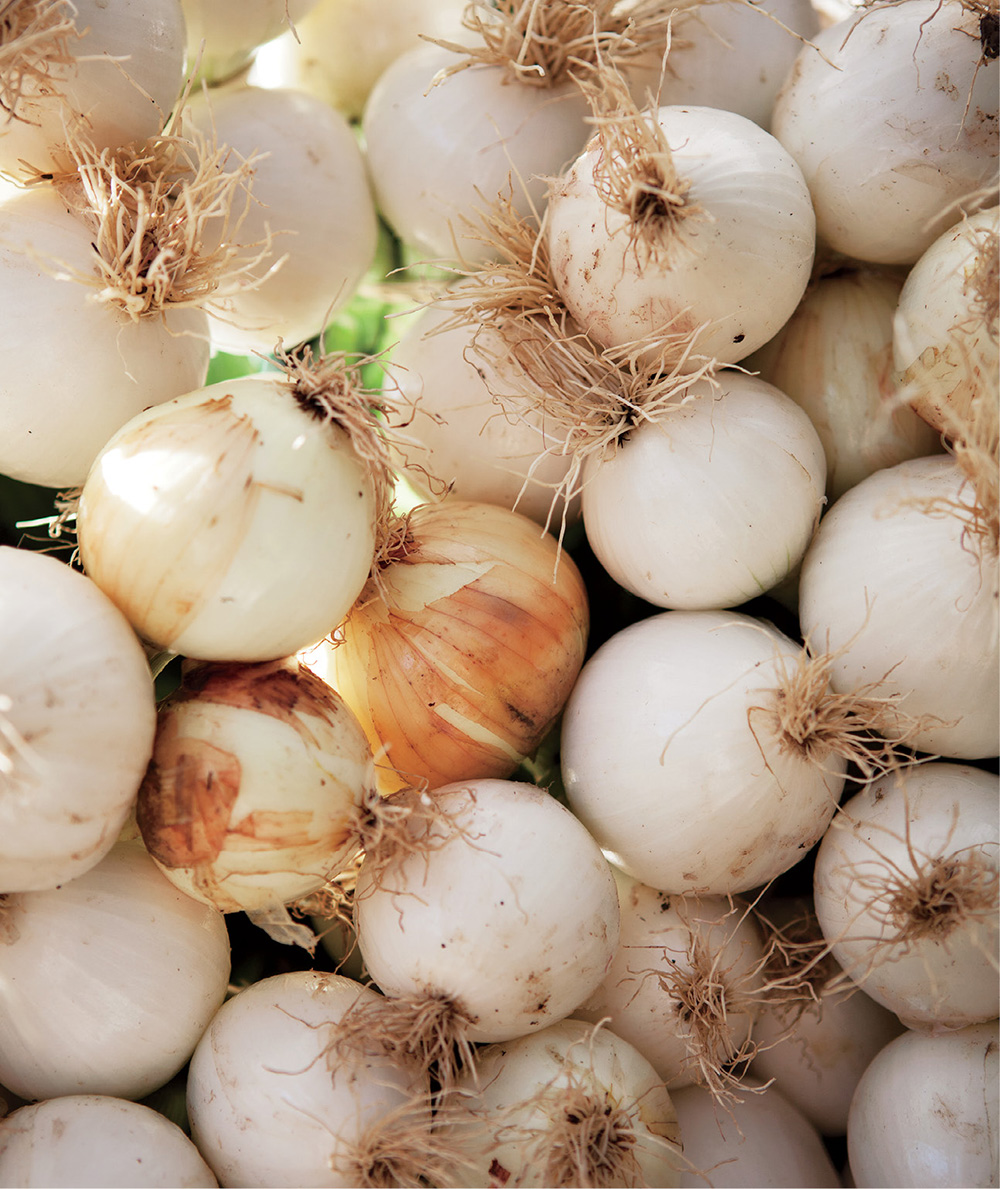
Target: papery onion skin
[[254, 790], [900, 592], [78, 732], [107, 981], [513, 916], [229, 524], [465, 664], [892, 115], [92, 1139]]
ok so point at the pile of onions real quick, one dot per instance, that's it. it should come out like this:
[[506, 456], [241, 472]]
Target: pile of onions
[[77, 716], [460, 653]]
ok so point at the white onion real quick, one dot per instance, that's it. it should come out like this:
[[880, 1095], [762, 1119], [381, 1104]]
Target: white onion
[[834, 358], [762, 1140], [106, 982], [906, 893], [310, 195], [77, 715], [726, 53], [271, 1098], [223, 35], [685, 985], [61, 402], [945, 330], [675, 757], [902, 594], [439, 154], [80, 1140], [256, 786], [233, 523], [892, 115], [339, 49], [743, 226], [470, 432], [510, 915], [114, 79], [570, 1105], [926, 1111], [677, 512]]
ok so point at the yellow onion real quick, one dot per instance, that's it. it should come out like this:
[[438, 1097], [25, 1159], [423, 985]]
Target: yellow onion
[[253, 796], [462, 650]]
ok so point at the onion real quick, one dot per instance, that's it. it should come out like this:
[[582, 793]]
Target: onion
[[223, 35], [570, 1105], [834, 358], [946, 335], [110, 70], [899, 585], [702, 530], [81, 1140], [921, 138], [439, 146], [256, 787], [273, 1100], [106, 982], [311, 204], [61, 406], [685, 985], [339, 48], [906, 892], [492, 924], [459, 655], [664, 233], [238, 522], [696, 749], [77, 715], [472, 431], [926, 1111], [725, 53], [762, 1139]]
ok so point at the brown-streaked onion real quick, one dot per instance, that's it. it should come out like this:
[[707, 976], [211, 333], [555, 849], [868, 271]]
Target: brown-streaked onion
[[460, 654], [253, 795]]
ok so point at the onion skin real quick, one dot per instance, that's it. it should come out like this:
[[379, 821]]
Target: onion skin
[[464, 665]]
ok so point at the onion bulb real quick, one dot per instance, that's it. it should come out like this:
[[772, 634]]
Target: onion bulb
[[926, 1111], [275, 1099], [570, 1105], [494, 921], [77, 716], [223, 35], [312, 213], [946, 330], [676, 511], [118, 960], [834, 358], [907, 893], [462, 649], [80, 1140], [257, 783], [110, 70], [665, 232], [238, 522], [685, 985], [899, 585], [704, 750], [921, 137]]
